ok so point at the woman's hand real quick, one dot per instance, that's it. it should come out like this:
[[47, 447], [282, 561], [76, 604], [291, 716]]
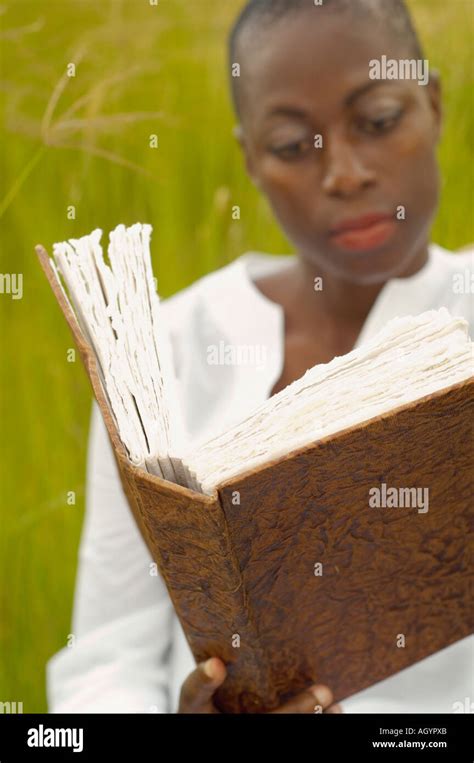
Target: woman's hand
[[198, 689]]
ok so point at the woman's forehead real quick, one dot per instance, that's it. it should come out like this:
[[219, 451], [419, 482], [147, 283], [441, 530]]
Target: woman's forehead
[[317, 47], [301, 60]]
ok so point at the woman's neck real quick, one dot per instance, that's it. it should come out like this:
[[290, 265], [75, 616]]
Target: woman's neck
[[319, 294]]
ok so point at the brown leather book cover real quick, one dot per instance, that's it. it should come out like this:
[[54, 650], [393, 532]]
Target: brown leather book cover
[[292, 575]]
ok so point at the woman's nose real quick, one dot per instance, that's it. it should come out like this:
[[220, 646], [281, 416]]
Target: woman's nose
[[345, 174]]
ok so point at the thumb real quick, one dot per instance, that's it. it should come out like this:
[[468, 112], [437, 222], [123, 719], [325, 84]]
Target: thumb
[[201, 684], [213, 670]]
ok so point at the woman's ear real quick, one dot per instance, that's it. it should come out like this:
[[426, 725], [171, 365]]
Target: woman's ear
[[238, 133], [239, 136], [435, 96]]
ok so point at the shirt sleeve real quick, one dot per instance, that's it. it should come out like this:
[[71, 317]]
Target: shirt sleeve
[[117, 655]]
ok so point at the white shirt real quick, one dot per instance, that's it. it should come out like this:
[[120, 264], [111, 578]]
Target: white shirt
[[128, 652]]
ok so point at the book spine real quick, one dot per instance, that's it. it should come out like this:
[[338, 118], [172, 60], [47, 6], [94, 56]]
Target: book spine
[[188, 539]]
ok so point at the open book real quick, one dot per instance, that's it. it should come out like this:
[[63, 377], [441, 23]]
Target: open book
[[118, 310], [308, 541]]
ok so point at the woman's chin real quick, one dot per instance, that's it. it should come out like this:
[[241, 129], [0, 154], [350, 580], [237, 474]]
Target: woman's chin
[[369, 267]]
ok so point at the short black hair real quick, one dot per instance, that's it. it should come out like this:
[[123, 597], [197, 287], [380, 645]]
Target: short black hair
[[263, 13]]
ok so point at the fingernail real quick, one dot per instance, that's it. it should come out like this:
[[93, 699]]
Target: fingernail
[[208, 668], [322, 694]]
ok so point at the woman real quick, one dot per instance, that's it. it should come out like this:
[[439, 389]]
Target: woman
[[348, 165]]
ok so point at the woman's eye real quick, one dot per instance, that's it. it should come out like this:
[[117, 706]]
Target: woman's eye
[[291, 150], [380, 124]]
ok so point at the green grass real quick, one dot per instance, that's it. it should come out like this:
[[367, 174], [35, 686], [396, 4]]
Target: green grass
[[170, 62]]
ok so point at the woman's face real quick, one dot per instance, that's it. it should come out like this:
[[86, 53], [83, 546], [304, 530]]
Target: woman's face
[[309, 77]]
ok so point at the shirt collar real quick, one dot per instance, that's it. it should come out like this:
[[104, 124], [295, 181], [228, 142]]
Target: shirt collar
[[257, 321], [244, 317], [399, 297]]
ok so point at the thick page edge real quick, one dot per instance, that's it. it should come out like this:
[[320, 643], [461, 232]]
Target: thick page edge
[[90, 366], [237, 478]]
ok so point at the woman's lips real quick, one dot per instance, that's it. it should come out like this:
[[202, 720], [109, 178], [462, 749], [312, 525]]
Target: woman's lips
[[365, 238]]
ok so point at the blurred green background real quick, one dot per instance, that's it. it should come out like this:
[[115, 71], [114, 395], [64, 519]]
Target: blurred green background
[[141, 70]]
